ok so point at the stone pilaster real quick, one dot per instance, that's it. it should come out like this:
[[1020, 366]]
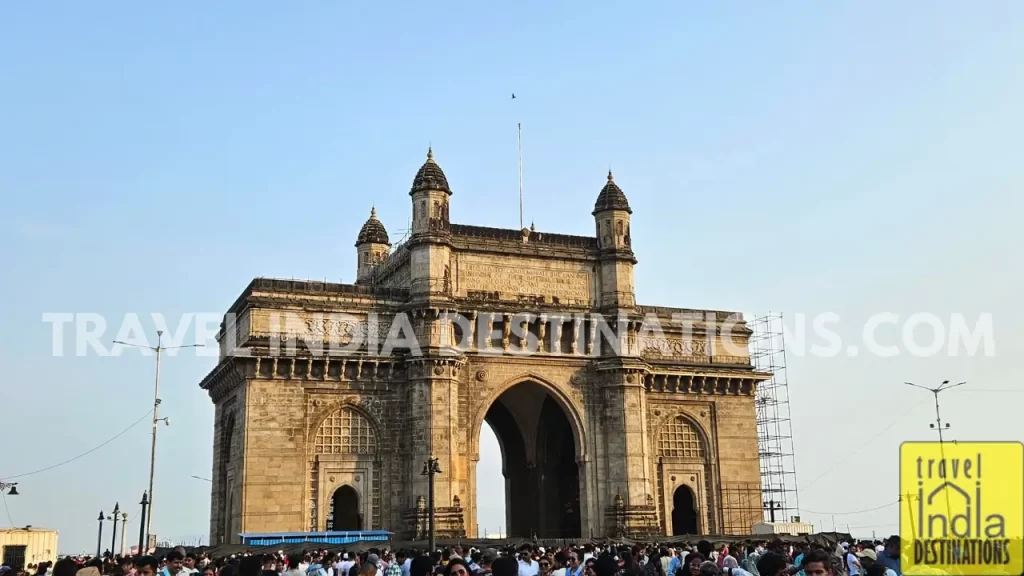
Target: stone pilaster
[[630, 482]]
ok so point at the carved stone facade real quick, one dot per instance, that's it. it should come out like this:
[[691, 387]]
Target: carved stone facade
[[614, 418]]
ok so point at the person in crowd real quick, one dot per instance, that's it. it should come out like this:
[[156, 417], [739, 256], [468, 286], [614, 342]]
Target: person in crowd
[[145, 566], [395, 567], [773, 563], [817, 563], [890, 555], [506, 565], [294, 561], [527, 566], [487, 559], [693, 562], [456, 566]]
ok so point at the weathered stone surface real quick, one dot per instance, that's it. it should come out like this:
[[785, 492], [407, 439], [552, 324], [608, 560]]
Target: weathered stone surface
[[308, 401]]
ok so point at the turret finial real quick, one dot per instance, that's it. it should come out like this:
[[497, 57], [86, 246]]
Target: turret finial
[[373, 211], [610, 177], [430, 153]]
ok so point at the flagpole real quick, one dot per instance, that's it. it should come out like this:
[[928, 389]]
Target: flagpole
[[519, 125]]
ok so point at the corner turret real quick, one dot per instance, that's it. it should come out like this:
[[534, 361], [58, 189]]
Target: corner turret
[[372, 247], [611, 217]]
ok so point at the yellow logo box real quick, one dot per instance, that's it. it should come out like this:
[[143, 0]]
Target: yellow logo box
[[962, 508]]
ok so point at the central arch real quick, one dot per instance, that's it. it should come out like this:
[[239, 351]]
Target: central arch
[[538, 435]]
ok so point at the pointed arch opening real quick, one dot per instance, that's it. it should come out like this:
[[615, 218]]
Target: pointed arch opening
[[345, 512], [541, 477], [684, 511]]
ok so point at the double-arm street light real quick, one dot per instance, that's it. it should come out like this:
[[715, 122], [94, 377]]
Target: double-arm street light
[[148, 522], [938, 422], [430, 468]]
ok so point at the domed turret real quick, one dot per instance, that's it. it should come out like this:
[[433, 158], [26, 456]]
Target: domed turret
[[372, 247], [611, 214], [430, 194], [373, 232], [611, 197], [611, 217], [430, 177]]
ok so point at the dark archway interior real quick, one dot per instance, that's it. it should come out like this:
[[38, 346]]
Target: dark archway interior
[[538, 462], [345, 510], [684, 512]]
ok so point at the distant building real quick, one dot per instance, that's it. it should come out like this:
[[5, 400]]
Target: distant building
[[20, 547]]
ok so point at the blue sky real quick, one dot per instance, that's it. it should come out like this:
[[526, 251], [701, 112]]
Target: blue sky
[[846, 157]]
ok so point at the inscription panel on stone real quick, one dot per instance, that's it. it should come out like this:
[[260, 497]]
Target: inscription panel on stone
[[343, 329], [672, 347], [524, 280]]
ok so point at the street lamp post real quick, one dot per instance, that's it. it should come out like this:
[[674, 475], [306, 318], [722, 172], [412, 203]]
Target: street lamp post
[[113, 537], [938, 422], [430, 468], [148, 521], [142, 525], [99, 535]]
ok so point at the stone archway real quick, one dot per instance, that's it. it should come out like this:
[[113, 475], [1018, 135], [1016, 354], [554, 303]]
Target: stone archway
[[345, 473], [684, 511], [345, 512], [539, 445], [685, 476]]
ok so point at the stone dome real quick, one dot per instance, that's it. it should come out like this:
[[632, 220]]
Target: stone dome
[[611, 197], [373, 231], [430, 177]]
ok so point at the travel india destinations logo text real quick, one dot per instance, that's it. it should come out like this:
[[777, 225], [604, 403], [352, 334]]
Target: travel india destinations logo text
[[962, 507]]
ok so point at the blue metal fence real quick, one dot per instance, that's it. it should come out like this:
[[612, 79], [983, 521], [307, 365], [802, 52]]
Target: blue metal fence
[[315, 537]]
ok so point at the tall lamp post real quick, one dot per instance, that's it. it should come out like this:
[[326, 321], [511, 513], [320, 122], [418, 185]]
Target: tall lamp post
[[99, 535], [142, 526], [938, 422], [148, 521], [113, 537], [430, 468]]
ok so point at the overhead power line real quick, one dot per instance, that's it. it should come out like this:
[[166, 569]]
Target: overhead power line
[[83, 454], [851, 513]]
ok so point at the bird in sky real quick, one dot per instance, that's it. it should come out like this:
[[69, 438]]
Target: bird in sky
[[513, 95]]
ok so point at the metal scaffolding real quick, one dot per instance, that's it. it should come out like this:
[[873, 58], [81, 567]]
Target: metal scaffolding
[[774, 431]]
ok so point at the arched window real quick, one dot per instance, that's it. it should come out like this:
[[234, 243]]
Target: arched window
[[680, 439], [346, 432]]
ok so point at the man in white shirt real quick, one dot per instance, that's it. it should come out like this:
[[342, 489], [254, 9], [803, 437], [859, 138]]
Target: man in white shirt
[[342, 568], [527, 567]]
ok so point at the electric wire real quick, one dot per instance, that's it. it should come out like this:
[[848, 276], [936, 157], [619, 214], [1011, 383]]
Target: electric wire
[[83, 454], [851, 513], [863, 445], [9, 519]]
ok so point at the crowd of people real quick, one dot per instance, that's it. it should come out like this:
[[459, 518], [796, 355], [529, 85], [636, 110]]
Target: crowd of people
[[768, 558]]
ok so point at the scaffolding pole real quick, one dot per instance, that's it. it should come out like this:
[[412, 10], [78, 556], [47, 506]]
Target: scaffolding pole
[[774, 430]]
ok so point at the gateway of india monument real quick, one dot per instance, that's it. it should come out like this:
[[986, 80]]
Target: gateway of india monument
[[606, 428]]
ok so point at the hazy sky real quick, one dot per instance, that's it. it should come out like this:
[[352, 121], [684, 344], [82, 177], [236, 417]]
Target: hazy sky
[[843, 157]]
